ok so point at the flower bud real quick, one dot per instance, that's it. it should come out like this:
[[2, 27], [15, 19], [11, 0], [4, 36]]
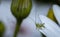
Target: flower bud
[[2, 29], [21, 8]]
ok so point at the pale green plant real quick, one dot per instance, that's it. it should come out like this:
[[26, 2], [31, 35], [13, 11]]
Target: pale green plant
[[20, 9]]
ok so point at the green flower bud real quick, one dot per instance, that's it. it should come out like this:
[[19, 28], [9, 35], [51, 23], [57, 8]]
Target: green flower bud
[[21, 8], [2, 29]]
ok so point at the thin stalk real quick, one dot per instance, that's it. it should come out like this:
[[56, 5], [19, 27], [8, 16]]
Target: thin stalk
[[17, 27]]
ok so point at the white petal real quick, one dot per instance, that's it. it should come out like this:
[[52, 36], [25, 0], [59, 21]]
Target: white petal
[[51, 28], [29, 26], [56, 10]]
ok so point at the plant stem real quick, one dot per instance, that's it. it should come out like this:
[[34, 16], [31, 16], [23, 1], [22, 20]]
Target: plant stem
[[17, 27]]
